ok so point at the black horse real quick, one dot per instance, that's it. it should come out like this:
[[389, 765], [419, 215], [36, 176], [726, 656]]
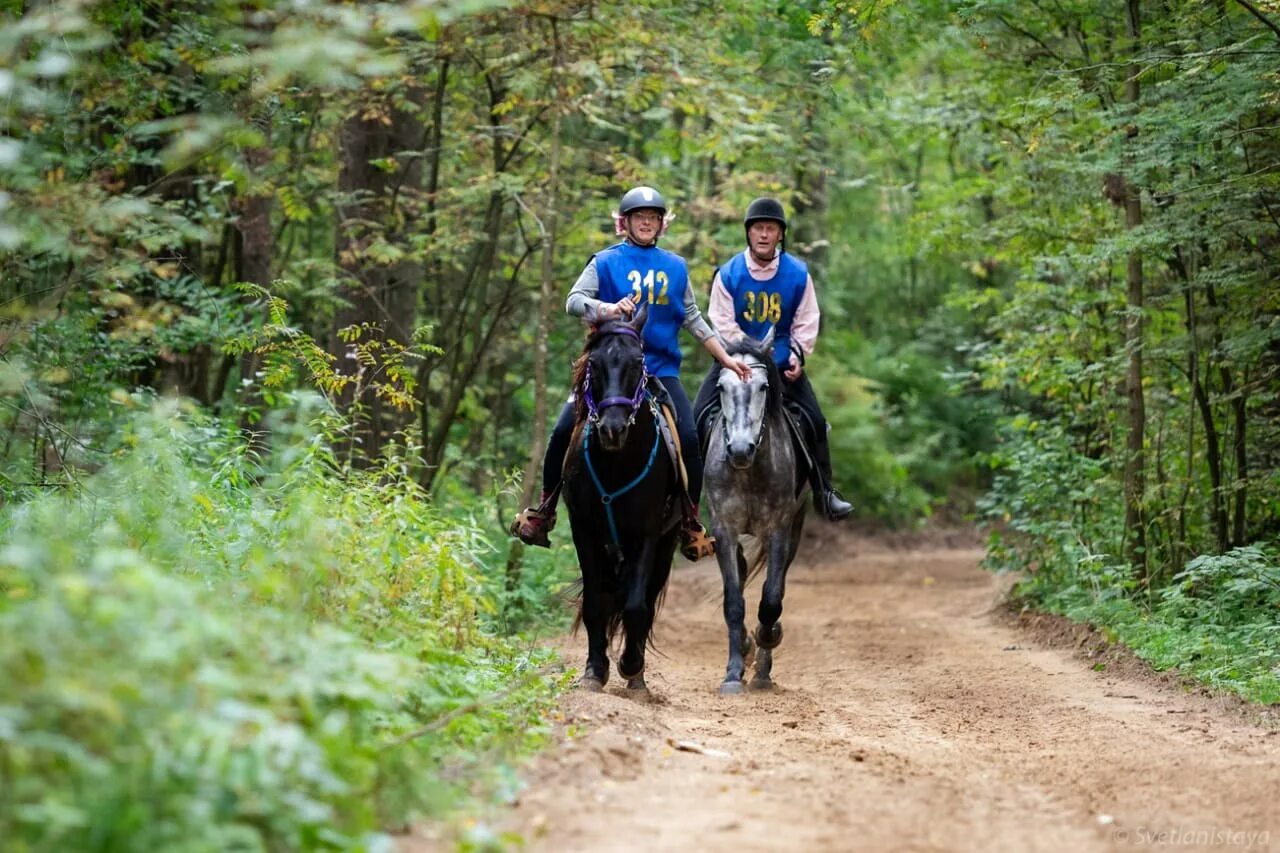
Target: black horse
[[621, 491]]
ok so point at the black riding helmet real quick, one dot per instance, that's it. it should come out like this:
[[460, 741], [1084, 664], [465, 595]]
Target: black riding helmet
[[642, 198], [766, 208]]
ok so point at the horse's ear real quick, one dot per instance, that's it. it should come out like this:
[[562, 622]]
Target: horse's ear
[[767, 343], [639, 318]]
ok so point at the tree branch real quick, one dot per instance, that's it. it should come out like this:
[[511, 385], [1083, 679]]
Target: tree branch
[[1253, 10], [1028, 34]]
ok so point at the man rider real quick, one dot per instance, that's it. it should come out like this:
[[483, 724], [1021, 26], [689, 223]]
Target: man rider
[[766, 288]]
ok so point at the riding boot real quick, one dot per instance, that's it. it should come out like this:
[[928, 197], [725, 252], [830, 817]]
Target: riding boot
[[826, 499], [532, 524], [695, 541]]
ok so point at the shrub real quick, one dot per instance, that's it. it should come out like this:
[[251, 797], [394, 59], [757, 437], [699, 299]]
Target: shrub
[[198, 652]]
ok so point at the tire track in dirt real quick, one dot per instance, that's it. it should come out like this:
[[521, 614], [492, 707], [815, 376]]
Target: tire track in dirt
[[908, 716]]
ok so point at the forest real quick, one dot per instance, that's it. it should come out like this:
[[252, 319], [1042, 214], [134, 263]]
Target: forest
[[284, 334]]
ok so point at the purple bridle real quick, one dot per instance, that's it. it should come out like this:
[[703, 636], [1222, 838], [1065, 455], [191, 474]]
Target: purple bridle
[[633, 402]]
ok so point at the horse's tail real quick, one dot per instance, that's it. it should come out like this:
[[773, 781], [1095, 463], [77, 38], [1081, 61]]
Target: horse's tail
[[614, 600], [613, 622], [758, 560]]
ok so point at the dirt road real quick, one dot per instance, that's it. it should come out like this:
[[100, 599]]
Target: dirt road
[[909, 715]]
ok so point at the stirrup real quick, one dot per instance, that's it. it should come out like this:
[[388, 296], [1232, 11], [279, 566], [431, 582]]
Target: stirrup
[[696, 542], [834, 506], [532, 526]]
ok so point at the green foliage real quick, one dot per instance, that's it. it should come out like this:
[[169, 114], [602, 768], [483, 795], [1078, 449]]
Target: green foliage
[[200, 653], [1216, 621], [995, 147], [903, 439]]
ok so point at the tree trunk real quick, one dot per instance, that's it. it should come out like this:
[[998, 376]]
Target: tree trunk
[[1240, 490], [1239, 423], [373, 200], [1213, 443], [1134, 474], [546, 296], [255, 244]]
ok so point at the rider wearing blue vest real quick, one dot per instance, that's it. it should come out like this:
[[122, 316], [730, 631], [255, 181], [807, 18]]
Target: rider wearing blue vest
[[759, 306], [662, 279], [764, 288], [615, 281]]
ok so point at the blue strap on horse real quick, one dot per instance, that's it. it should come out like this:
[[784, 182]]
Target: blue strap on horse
[[607, 498]]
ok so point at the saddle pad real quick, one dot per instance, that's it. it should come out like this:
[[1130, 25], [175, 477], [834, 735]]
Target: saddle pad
[[667, 425], [795, 414]]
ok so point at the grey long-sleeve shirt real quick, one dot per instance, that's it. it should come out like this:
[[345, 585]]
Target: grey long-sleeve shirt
[[584, 302]]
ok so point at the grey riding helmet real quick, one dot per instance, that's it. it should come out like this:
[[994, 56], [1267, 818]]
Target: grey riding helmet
[[642, 198]]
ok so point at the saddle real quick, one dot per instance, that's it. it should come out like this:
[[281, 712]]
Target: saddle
[[698, 543]]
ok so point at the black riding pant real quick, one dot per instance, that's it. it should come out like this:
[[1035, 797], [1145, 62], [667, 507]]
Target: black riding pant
[[800, 394], [558, 444]]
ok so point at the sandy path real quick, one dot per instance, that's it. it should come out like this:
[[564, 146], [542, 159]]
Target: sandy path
[[908, 716]]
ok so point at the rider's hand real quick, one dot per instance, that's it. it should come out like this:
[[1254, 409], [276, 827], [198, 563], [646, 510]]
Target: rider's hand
[[793, 372], [739, 367], [622, 309]]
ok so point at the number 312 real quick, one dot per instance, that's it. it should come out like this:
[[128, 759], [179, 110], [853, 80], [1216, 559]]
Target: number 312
[[649, 280]]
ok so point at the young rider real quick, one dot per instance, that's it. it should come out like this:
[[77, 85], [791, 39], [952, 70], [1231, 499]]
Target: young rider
[[614, 283], [765, 288]]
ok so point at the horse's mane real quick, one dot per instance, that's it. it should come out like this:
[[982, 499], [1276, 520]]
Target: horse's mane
[[750, 346], [594, 336]]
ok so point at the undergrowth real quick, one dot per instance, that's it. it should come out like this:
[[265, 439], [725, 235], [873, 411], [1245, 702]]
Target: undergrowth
[[200, 650], [1215, 622]]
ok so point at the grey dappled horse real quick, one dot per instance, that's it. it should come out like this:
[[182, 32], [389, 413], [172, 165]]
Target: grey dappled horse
[[756, 482]]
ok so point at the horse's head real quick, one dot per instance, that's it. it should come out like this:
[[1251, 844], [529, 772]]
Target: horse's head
[[744, 405], [613, 382]]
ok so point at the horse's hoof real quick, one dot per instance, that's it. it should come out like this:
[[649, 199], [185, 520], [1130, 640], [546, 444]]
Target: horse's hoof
[[731, 688], [763, 684], [591, 684], [637, 689]]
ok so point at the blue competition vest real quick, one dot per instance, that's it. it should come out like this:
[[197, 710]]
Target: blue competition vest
[[762, 305], [658, 277]]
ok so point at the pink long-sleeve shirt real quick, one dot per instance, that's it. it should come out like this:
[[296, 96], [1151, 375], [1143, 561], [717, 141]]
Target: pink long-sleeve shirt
[[804, 327]]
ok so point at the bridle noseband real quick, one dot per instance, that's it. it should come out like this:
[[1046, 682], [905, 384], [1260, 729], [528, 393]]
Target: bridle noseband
[[632, 403]]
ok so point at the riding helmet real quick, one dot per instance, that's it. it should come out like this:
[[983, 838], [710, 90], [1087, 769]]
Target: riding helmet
[[642, 198], [766, 208]]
